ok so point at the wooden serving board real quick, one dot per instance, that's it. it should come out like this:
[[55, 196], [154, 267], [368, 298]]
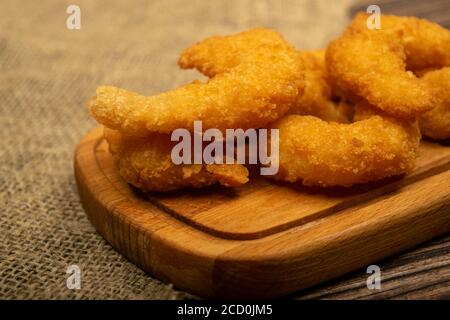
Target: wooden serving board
[[264, 239]]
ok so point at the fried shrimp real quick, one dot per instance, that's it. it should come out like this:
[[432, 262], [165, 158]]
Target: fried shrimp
[[435, 124], [220, 54], [375, 65], [261, 85], [216, 55], [325, 154], [426, 44], [318, 98], [146, 164]]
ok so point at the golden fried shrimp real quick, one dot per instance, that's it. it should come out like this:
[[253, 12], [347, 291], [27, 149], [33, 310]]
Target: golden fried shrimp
[[426, 44], [325, 154], [435, 124], [214, 56], [146, 164], [220, 54], [374, 64], [259, 88], [318, 98]]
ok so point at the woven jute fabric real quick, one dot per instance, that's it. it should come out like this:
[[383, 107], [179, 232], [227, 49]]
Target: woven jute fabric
[[48, 72]]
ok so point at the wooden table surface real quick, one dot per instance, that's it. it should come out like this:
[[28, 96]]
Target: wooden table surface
[[422, 273]]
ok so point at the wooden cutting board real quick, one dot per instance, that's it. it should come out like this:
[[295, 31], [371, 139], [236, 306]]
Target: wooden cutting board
[[264, 239]]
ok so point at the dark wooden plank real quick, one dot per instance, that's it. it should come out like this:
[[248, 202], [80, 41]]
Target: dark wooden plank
[[418, 274]]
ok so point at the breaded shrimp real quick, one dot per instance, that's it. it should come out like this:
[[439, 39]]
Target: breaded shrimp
[[374, 64], [220, 54], [259, 87], [146, 164], [324, 154], [318, 98], [435, 124], [214, 56], [426, 44]]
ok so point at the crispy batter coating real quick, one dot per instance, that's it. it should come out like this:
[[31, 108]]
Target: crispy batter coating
[[145, 163], [259, 87], [258, 80], [220, 54], [435, 124], [375, 64], [214, 56], [325, 154], [318, 98], [426, 44]]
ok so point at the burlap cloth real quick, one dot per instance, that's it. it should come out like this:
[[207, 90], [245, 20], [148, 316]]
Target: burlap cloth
[[47, 73]]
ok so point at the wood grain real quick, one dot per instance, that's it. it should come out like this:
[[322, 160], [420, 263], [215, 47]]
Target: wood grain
[[423, 273], [268, 205], [178, 248]]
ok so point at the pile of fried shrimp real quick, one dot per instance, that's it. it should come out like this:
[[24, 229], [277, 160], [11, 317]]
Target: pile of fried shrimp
[[352, 113]]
